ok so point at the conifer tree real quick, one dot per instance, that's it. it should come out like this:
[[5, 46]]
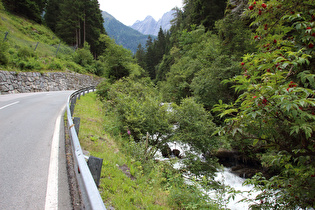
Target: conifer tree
[[77, 22], [52, 14], [140, 56], [31, 9]]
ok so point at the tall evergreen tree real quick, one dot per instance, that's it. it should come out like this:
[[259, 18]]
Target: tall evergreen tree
[[31, 9], [160, 45], [92, 25], [77, 22], [52, 13], [203, 12], [68, 23], [140, 56], [150, 58]]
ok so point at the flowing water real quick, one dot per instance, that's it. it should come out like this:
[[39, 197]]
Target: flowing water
[[226, 177]]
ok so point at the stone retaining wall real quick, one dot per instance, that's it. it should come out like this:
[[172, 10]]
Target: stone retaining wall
[[25, 82]]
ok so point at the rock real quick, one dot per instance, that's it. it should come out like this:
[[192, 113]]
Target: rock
[[176, 152], [124, 168], [166, 151]]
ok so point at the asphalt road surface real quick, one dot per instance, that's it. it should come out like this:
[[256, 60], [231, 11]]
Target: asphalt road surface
[[32, 158]]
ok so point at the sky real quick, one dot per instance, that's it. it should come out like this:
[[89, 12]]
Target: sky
[[129, 11]]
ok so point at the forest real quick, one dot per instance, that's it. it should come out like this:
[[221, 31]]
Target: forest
[[236, 76]]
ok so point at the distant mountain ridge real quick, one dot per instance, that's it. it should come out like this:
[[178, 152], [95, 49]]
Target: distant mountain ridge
[[150, 26], [123, 35]]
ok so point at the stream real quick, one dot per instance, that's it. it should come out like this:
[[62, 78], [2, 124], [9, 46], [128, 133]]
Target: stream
[[224, 176]]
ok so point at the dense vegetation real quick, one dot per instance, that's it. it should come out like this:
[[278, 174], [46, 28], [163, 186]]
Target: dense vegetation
[[234, 76], [28, 46], [262, 50]]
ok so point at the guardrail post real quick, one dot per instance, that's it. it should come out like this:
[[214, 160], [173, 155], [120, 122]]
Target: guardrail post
[[95, 166], [76, 122], [74, 100], [72, 108]]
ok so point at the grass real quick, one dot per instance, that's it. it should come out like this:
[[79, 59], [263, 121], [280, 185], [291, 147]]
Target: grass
[[133, 191], [17, 48]]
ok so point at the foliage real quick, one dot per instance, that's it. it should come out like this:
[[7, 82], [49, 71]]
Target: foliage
[[203, 12], [3, 54], [118, 61], [196, 49], [206, 85], [77, 22], [235, 34], [1, 5], [275, 110], [31, 9], [102, 90], [84, 56], [156, 49], [138, 105], [195, 128]]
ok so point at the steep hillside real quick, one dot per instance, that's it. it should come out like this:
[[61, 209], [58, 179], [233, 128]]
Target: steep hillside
[[29, 46], [151, 26], [123, 35]]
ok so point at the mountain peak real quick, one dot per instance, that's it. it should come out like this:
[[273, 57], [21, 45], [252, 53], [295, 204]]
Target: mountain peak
[[150, 26], [122, 34]]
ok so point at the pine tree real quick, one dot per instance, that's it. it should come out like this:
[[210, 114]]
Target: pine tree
[[52, 14], [150, 58], [140, 56], [31, 9], [68, 23], [77, 22], [92, 25]]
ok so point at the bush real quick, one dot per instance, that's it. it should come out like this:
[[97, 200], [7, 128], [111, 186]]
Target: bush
[[25, 52], [75, 67], [83, 56], [102, 90], [55, 65], [3, 56]]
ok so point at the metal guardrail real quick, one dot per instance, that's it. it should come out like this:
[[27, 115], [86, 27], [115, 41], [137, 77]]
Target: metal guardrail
[[90, 194]]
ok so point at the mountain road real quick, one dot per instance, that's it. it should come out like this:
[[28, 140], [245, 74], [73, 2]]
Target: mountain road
[[33, 171]]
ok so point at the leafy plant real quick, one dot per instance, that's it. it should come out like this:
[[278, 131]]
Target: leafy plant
[[3, 56], [275, 109]]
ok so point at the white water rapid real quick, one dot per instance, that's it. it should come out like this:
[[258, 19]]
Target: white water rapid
[[226, 177]]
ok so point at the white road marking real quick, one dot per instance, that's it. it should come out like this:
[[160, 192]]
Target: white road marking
[[9, 105], [52, 184]]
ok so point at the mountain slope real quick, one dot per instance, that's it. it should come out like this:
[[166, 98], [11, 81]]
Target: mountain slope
[[150, 26], [123, 35]]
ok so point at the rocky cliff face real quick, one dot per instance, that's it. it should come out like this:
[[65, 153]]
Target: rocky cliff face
[[151, 26]]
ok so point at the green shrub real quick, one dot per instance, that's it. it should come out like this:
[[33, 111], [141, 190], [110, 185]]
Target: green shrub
[[25, 52], [83, 56], [3, 56], [75, 67], [21, 64], [102, 90], [55, 65]]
